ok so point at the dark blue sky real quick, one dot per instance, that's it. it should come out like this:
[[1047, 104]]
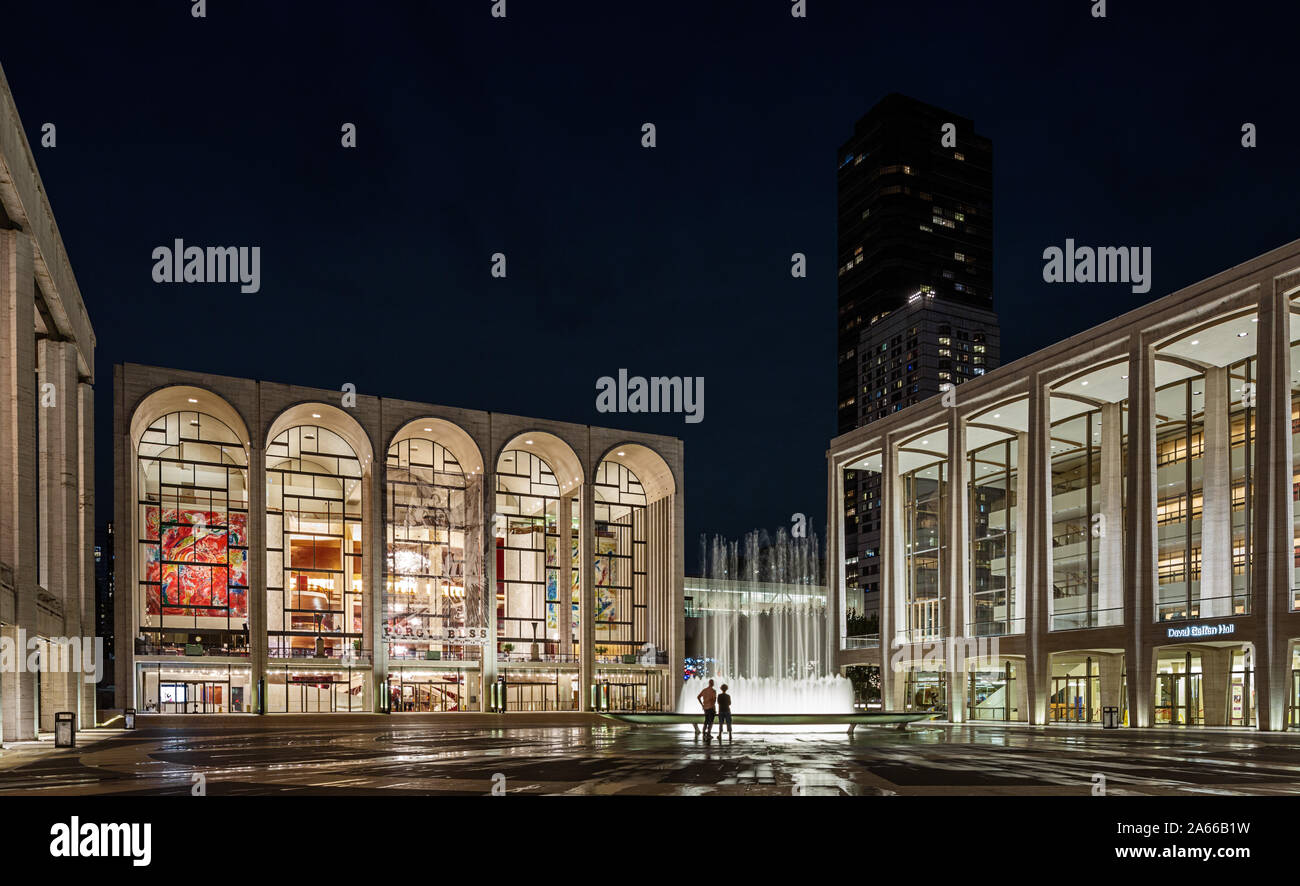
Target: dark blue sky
[[522, 135]]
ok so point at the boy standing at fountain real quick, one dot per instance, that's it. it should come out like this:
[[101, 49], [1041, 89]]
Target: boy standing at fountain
[[724, 712], [707, 698]]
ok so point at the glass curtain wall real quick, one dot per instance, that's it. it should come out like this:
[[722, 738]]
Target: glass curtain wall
[[620, 571], [1241, 424], [425, 605], [1076, 500], [924, 496], [315, 590], [1180, 449], [992, 502], [532, 607], [192, 500]]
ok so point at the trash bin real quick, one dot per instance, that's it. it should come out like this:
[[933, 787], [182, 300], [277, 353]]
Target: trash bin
[[65, 729], [1110, 717], [128, 718]]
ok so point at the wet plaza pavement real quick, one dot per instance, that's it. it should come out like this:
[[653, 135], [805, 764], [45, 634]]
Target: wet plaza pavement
[[316, 756]]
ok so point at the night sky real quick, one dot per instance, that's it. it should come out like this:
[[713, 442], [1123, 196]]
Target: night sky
[[478, 135]]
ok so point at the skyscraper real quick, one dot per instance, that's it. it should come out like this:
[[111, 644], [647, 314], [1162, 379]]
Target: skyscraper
[[915, 249]]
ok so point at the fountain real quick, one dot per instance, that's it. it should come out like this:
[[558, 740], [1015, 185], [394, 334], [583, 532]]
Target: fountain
[[764, 628]]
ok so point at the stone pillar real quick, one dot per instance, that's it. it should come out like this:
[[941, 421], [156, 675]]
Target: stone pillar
[[1022, 548], [1272, 571], [836, 587], [491, 520], [126, 594], [564, 589], [1216, 508], [86, 699], [1140, 549], [1022, 691], [18, 467], [374, 574], [587, 595], [955, 567], [1110, 577], [58, 402], [1216, 675], [258, 566], [1038, 561], [1111, 668], [890, 555]]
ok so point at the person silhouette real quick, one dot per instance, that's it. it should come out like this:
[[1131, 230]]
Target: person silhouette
[[707, 698]]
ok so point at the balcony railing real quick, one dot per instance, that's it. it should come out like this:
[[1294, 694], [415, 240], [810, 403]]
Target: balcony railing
[[362, 657], [1206, 607], [862, 641], [996, 627], [193, 649], [1079, 619]]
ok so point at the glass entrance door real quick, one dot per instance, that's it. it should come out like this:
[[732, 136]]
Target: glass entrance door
[[1178, 699], [1076, 699], [193, 697]]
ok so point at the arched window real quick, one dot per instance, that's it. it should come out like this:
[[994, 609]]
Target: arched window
[[532, 605], [427, 519], [315, 589], [192, 499], [620, 570]]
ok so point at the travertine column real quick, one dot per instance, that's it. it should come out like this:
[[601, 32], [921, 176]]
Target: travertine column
[[1022, 549], [18, 468], [1038, 467], [1216, 674], [1216, 507], [258, 566], [86, 701], [1140, 533], [1111, 668], [564, 589], [836, 587], [1273, 564], [955, 568], [488, 664], [587, 595], [1110, 575], [58, 402], [892, 614], [1022, 692]]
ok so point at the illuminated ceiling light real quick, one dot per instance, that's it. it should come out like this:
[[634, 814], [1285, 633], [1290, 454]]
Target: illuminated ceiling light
[[1196, 341], [428, 429], [622, 453], [1123, 376], [192, 400], [1242, 334], [1083, 383], [315, 415], [529, 442], [1254, 319]]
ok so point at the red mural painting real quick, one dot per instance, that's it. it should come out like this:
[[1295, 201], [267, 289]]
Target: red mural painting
[[199, 560]]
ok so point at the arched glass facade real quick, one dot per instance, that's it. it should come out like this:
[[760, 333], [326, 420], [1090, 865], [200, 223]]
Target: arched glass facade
[[535, 604], [427, 610], [620, 552], [315, 586], [192, 521]]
